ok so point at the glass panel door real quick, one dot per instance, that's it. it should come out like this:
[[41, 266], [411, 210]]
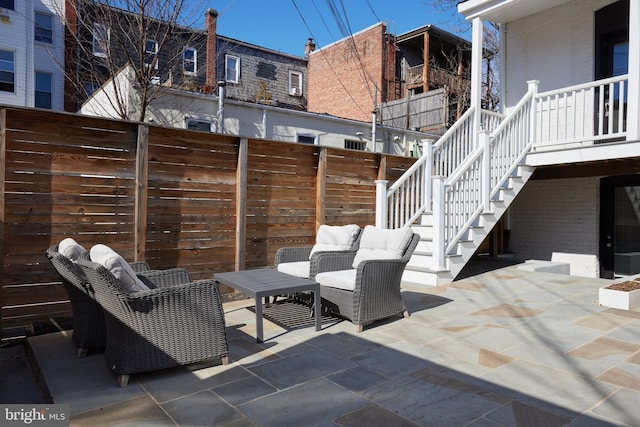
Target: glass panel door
[[626, 243]]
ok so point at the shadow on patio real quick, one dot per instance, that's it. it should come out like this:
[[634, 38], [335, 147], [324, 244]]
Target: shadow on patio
[[506, 347]]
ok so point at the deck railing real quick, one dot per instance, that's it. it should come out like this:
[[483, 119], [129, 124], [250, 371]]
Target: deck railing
[[582, 114]]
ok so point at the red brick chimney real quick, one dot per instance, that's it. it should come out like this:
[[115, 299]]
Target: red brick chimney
[[70, 56], [211, 22], [309, 47]]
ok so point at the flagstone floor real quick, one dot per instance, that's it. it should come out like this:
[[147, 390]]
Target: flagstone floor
[[508, 347]]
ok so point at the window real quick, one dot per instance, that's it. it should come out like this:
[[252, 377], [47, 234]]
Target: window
[[295, 83], [101, 39], [43, 31], [43, 90], [190, 60], [306, 139], [351, 144], [7, 71], [90, 88], [150, 54], [7, 4], [232, 69], [202, 125]]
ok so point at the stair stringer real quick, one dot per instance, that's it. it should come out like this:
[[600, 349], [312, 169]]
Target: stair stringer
[[418, 270]]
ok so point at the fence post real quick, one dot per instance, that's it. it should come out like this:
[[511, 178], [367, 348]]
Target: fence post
[[241, 204], [381, 203], [428, 176], [485, 143], [533, 111], [141, 194], [439, 243], [321, 188]]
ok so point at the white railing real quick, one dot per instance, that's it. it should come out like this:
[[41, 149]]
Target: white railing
[[582, 114], [466, 194]]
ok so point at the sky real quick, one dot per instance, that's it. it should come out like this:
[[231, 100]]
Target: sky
[[285, 25]]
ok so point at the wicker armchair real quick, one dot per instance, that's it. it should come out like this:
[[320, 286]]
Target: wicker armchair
[[303, 261], [175, 324], [89, 330], [369, 292]]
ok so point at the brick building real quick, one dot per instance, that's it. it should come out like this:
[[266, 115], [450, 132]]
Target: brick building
[[354, 76]]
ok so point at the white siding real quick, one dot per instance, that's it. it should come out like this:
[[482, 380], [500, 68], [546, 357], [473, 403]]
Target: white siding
[[17, 35]]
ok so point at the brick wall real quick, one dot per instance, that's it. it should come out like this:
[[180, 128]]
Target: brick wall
[[560, 215], [354, 63]]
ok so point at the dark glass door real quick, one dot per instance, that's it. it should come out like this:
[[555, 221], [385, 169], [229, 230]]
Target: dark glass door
[[620, 226]]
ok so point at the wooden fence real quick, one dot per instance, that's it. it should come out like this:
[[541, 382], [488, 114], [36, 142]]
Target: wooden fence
[[202, 201], [426, 111]]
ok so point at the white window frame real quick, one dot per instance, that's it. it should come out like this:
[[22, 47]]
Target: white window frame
[[236, 69], [193, 62], [48, 31], [99, 42], [12, 70], [295, 89], [36, 90], [199, 121], [153, 53], [307, 135]]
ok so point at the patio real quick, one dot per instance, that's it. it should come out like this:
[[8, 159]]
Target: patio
[[507, 347]]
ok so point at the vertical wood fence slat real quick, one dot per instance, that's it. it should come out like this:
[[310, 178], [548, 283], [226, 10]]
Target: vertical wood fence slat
[[141, 195], [241, 205]]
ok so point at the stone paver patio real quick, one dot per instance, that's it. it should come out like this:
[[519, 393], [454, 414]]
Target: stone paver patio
[[507, 347]]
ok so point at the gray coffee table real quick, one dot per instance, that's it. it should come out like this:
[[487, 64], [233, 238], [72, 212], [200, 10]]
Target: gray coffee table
[[265, 282]]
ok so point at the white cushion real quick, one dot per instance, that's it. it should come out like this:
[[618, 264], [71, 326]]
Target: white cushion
[[298, 269], [71, 249], [341, 279], [382, 244], [112, 261], [335, 238]]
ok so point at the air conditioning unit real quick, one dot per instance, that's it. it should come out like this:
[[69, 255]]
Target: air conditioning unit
[[295, 91]]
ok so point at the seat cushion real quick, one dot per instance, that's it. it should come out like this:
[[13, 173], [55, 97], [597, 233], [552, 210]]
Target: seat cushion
[[341, 279], [298, 269], [382, 244], [335, 238], [112, 261], [71, 249]]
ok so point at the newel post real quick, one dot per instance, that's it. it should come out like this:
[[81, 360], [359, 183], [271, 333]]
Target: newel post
[[438, 224], [428, 175], [533, 111], [381, 203], [485, 143]]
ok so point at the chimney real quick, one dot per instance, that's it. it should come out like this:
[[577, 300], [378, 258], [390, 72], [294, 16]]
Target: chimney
[[309, 47], [71, 81], [211, 22]]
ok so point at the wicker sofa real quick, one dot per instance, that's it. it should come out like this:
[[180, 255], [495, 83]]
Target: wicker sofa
[[89, 330], [173, 322], [365, 286]]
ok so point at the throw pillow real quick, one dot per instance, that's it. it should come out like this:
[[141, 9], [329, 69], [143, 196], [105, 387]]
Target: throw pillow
[[335, 238], [71, 249], [382, 244], [112, 261]]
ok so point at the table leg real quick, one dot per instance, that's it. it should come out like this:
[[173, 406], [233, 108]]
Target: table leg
[[317, 305], [259, 335]]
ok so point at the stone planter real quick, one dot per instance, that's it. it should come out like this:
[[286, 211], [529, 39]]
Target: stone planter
[[622, 295]]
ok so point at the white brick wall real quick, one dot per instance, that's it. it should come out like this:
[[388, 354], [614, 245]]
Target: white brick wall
[[555, 46], [560, 215]]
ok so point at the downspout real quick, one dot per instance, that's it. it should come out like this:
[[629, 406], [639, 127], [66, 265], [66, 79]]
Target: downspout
[[221, 86], [374, 115]]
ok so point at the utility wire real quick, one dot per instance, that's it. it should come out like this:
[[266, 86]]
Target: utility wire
[[327, 59]]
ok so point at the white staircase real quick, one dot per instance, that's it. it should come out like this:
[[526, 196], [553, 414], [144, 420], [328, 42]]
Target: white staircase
[[458, 190]]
